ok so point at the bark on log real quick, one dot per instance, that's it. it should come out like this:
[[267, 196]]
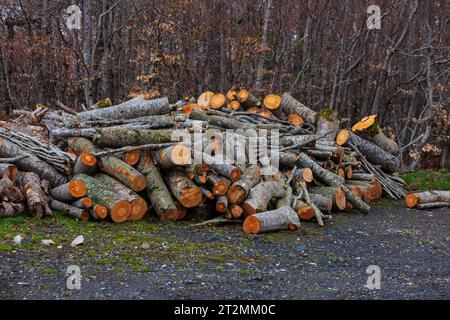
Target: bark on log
[[123, 172], [157, 191], [119, 137], [218, 185], [284, 218], [222, 204], [338, 196], [432, 205], [260, 195], [134, 108], [9, 192], [98, 212], [70, 211], [37, 200], [80, 145], [289, 105], [139, 206], [176, 155], [299, 140], [376, 155], [413, 199], [8, 209], [83, 203], [70, 191], [304, 211], [239, 190], [31, 163], [86, 163], [186, 192], [221, 167], [323, 202], [9, 171], [119, 209]]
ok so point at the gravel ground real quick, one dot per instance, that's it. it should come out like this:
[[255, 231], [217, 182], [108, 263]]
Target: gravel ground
[[153, 260]]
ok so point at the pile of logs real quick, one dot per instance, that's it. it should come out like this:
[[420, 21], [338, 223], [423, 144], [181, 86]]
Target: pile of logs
[[120, 162], [428, 199]]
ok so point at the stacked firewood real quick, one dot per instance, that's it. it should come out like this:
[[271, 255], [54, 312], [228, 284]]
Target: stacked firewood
[[121, 162], [428, 199]]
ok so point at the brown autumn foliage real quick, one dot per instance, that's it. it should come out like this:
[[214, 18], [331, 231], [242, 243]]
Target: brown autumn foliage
[[319, 50]]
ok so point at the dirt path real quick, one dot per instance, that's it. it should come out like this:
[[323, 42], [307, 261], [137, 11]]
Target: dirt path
[[410, 247]]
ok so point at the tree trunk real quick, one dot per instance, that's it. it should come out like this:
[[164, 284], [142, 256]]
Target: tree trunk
[[289, 105], [69, 192]]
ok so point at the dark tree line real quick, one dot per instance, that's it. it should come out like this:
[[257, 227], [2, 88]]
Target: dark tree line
[[319, 50]]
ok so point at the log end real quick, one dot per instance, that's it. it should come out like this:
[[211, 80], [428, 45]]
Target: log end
[[340, 199], [295, 119], [101, 211], [221, 207], [180, 155], [85, 216], [87, 202], [77, 188], [190, 197], [235, 174], [248, 210], [236, 211], [307, 175], [120, 212], [305, 213], [251, 225], [132, 157], [139, 208], [220, 188], [217, 101], [236, 194], [243, 95], [234, 105], [139, 183], [411, 200], [272, 101], [342, 137], [88, 159]]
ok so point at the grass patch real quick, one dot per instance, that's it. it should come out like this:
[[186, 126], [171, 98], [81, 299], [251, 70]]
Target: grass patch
[[422, 180]]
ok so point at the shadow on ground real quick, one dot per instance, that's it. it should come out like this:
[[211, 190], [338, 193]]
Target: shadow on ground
[[181, 262]]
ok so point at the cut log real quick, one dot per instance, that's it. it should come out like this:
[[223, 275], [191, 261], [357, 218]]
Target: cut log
[[70, 211], [131, 157], [239, 190], [304, 174], [289, 105], [9, 171], [327, 120], [98, 212], [247, 99], [139, 206], [339, 201], [357, 192], [85, 164], [119, 209], [9, 192], [432, 205], [376, 155], [284, 218], [217, 101], [123, 172], [36, 198], [157, 191], [176, 155], [234, 105], [221, 167], [272, 101], [236, 211], [218, 185], [348, 172], [69, 192], [222, 204], [80, 145], [260, 195], [295, 119], [117, 137], [323, 202], [31, 163], [413, 199], [206, 193], [134, 108], [299, 140], [83, 203], [304, 211], [204, 99], [186, 192], [370, 129]]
